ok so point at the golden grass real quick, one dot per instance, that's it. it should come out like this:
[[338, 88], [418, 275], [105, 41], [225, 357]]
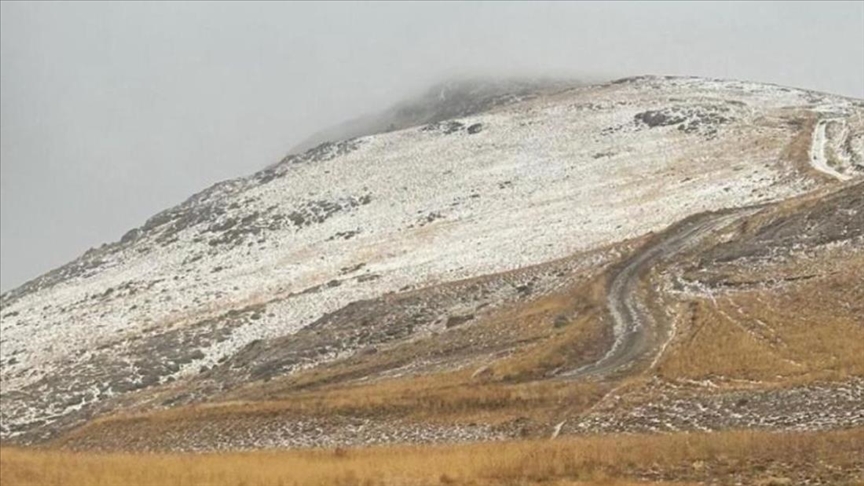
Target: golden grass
[[611, 460], [427, 397], [714, 344], [583, 339], [807, 332]]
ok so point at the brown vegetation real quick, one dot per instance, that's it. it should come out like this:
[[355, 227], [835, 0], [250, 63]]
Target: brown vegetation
[[724, 458]]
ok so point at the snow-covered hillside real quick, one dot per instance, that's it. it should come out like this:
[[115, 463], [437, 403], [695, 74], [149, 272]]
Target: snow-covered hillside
[[523, 183]]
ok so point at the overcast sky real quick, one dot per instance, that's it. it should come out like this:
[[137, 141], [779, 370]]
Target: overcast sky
[[112, 112]]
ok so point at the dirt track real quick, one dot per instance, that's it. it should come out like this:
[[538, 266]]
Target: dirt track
[[637, 335]]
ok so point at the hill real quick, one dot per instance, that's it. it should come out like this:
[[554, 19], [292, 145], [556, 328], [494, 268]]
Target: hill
[[651, 254]]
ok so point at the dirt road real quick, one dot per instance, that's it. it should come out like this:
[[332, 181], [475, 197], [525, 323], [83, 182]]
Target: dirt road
[[637, 335]]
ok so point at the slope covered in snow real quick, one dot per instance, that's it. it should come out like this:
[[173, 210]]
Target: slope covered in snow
[[527, 182]]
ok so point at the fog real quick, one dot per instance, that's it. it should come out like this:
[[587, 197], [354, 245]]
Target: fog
[[112, 112]]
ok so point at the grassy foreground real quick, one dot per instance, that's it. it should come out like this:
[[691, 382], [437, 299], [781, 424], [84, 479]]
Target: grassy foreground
[[752, 457]]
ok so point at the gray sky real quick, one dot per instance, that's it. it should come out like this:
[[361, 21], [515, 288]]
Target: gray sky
[[112, 112]]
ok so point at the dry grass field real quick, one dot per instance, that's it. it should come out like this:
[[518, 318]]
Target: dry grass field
[[742, 457]]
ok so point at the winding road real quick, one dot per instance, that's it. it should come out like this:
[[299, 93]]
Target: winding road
[[636, 335]]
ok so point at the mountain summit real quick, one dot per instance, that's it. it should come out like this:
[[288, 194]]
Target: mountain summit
[[456, 98]]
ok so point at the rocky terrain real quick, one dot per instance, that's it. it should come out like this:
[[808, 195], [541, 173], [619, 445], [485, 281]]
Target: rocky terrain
[[530, 260]]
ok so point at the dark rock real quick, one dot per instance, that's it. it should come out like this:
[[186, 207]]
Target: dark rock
[[454, 321]]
